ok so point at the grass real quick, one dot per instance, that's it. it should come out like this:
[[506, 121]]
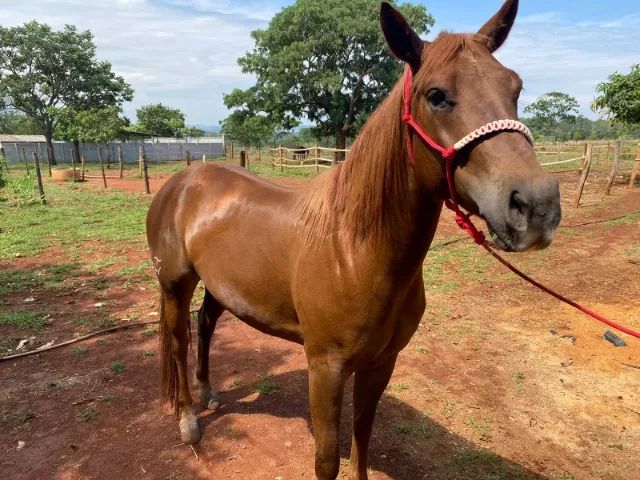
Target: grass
[[49, 278], [398, 387], [469, 263], [484, 431], [79, 349], [28, 320], [478, 463], [412, 429], [117, 366], [265, 169], [107, 397], [87, 414], [518, 380], [267, 386], [22, 417], [54, 385], [74, 213], [148, 353]]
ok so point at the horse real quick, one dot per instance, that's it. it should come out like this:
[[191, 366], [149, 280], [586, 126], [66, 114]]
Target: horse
[[336, 265]]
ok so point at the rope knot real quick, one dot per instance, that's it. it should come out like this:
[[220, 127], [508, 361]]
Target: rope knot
[[449, 153], [464, 222], [406, 118]]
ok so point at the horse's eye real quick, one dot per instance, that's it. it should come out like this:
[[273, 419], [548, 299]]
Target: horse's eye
[[437, 98]]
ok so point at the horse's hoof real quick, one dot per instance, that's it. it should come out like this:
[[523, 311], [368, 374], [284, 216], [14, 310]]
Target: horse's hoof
[[189, 431], [209, 400]]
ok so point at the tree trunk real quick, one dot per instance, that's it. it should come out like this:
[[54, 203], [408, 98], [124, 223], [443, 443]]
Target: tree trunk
[[341, 142], [76, 150], [51, 154]]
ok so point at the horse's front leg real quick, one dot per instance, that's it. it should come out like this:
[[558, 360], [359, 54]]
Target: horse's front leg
[[326, 389], [368, 387]]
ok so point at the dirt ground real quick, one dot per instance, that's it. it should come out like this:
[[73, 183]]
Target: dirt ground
[[499, 382]]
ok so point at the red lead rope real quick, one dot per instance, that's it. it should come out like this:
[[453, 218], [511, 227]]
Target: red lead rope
[[463, 219]]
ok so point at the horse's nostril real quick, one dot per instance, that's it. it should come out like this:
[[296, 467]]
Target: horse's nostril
[[517, 202]]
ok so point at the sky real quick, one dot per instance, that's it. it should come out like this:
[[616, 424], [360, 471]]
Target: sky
[[183, 52]]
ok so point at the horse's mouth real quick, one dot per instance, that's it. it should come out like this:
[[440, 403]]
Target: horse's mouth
[[509, 240], [501, 240]]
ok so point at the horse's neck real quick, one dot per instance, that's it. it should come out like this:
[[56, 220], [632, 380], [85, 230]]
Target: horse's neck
[[407, 209]]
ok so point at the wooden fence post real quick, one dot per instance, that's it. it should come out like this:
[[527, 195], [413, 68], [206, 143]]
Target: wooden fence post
[[3, 160], [73, 164], [243, 159], [316, 154], [36, 164], [140, 150], [187, 157], [282, 159], [82, 168], [120, 160], [104, 178], [587, 146], [26, 162], [108, 156], [585, 174], [636, 167], [614, 169], [145, 174]]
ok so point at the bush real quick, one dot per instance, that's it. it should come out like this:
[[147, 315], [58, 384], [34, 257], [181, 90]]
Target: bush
[[19, 189]]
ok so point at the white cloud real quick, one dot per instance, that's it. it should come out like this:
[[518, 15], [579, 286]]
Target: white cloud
[[179, 52], [553, 55], [183, 52]]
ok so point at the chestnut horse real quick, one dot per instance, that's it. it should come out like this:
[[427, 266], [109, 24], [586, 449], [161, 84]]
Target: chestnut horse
[[336, 265]]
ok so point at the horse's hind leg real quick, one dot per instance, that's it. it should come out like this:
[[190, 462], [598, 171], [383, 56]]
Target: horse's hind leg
[[175, 333], [208, 316]]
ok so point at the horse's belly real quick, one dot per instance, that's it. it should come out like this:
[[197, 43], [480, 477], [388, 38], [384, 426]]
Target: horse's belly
[[265, 313]]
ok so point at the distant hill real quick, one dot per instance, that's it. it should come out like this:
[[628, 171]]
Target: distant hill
[[208, 128]]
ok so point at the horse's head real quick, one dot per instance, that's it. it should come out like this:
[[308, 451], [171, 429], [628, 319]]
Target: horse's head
[[459, 86]]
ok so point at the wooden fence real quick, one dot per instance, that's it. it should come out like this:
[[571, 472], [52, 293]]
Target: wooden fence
[[313, 157], [611, 157]]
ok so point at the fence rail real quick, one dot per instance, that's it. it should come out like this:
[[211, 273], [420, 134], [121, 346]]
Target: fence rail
[[313, 157]]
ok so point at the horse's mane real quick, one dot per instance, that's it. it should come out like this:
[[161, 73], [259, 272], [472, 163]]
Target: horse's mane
[[360, 196]]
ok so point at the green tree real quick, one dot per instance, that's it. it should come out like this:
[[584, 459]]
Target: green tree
[[192, 132], [246, 124], [95, 125], [551, 110], [17, 123], [161, 120], [44, 70], [325, 62], [620, 97]]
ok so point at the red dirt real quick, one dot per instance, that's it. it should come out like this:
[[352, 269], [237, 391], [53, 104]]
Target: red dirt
[[482, 372]]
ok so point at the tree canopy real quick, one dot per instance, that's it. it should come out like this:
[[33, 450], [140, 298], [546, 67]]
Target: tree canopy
[[246, 124], [161, 120], [17, 123], [552, 109], [95, 125], [620, 97], [325, 62], [45, 70]]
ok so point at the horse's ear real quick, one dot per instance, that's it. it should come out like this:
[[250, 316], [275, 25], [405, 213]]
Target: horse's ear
[[403, 42], [496, 30]]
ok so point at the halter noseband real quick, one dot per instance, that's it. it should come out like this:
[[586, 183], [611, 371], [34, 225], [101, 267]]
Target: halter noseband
[[448, 154]]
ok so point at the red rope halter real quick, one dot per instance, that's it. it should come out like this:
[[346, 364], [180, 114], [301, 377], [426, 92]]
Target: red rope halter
[[464, 219]]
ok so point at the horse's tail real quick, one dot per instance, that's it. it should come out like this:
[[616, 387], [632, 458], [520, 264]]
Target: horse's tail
[[169, 368]]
